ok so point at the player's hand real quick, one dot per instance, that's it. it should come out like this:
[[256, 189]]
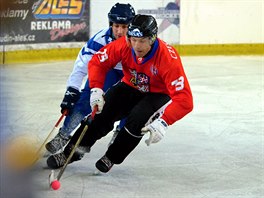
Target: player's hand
[[97, 98], [157, 130], [71, 96]]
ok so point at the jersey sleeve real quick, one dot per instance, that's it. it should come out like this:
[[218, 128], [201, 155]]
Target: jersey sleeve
[[79, 71], [179, 90], [104, 60]]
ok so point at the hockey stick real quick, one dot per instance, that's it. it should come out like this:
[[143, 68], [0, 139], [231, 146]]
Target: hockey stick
[[54, 183], [49, 135]]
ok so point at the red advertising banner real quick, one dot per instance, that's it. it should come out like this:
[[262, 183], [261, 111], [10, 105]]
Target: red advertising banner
[[44, 21]]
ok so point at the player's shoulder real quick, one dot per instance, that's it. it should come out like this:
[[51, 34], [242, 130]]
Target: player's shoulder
[[102, 37], [103, 32], [169, 53], [120, 42]]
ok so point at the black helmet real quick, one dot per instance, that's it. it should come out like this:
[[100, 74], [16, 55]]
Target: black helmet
[[121, 13], [143, 26]]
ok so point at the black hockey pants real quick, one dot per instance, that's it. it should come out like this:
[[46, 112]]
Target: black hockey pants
[[122, 101]]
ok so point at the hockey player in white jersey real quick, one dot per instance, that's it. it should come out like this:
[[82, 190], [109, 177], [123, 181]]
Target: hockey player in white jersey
[[77, 102]]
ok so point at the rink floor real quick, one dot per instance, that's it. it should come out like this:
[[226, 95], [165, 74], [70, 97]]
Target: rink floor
[[217, 151]]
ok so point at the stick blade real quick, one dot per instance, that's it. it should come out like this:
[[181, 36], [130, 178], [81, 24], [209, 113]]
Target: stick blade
[[51, 177]]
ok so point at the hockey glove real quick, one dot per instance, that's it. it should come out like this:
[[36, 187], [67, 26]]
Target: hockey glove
[[157, 131], [70, 98], [97, 99]]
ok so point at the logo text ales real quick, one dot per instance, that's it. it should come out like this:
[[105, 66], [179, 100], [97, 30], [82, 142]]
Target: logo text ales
[[58, 9]]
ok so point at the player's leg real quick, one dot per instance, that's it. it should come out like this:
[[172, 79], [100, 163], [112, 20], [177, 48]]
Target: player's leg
[[77, 114], [103, 123], [114, 76], [119, 100], [58, 160], [117, 130], [80, 110], [130, 134]]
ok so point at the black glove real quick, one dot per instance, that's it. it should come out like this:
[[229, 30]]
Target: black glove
[[70, 98]]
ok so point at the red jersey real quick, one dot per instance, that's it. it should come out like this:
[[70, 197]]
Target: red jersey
[[161, 71]]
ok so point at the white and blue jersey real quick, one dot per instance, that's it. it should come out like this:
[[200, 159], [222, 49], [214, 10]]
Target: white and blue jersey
[[80, 70]]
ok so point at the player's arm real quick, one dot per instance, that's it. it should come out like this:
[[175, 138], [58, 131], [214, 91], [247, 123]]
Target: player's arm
[[79, 71], [105, 59], [74, 82], [182, 102], [180, 93]]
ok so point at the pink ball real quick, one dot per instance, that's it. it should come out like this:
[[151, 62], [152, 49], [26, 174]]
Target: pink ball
[[55, 185]]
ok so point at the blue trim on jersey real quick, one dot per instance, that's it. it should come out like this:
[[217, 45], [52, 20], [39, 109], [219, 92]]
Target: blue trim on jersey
[[84, 52], [153, 50], [94, 45], [109, 36]]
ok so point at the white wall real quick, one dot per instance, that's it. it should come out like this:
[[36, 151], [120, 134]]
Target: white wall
[[99, 15], [225, 21], [202, 21]]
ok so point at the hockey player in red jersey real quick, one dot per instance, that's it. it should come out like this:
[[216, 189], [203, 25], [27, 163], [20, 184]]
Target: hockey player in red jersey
[[154, 78]]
